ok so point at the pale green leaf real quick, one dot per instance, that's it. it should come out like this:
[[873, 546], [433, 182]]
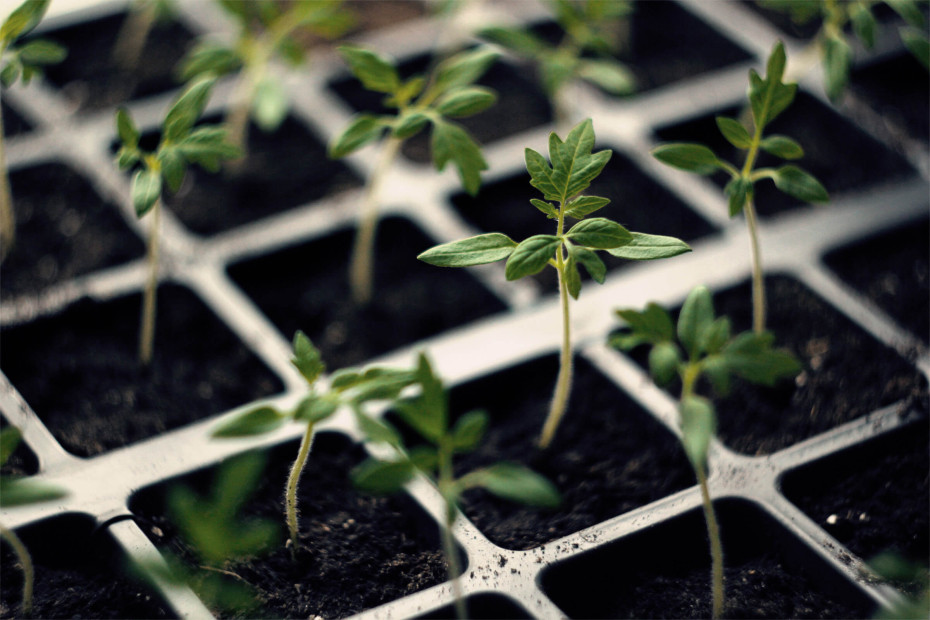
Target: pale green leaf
[[22, 491], [464, 68], [146, 189], [687, 156], [516, 483], [269, 105], [452, 143], [599, 233], [531, 256], [698, 426], [256, 421], [463, 102], [650, 247], [478, 250], [800, 184], [734, 132]]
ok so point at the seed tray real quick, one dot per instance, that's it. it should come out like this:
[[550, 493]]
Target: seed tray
[[232, 268]]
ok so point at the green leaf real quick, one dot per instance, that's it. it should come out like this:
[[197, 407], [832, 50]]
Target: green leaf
[[516, 483], [186, 109], [466, 101], [10, 73], [22, 491], [479, 250], [650, 247], [734, 132], [572, 277], [452, 143], [738, 190], [521, 41], [687, 156], [769, 97], [409, 124], [21, 21], [42, 52], [799, 184], [377, 431], [9, 439], [697, 315], [146, 189], [374, 72], [464, 68], [207, 147], [173, 167], [531, 256], [573, 162], [698, 425], [918, 44], [717, 371], [652, 325], [612, 76], [864, 24], [256, 421], [469, 430], [664, 359], [382, 477], [307, 358], [590, 261], [582, 206], [750, 356], [269, 104], [364, 128], [210, 58], [599, 233], [314, 409], [837, 60], [716, 336], [126, 129], [541, 175], [546, 208], [782, 146]]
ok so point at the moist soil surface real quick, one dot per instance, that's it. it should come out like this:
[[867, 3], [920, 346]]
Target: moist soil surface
[[102, 398], [63, 229], [306, 287], [357, 551]]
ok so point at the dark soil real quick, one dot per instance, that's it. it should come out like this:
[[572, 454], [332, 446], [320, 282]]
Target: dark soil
[[102, 399], [897, 89], [609, 456], [13, 123], [306, 287], [78, 574], [63, 229], [664, 572], [825, 137], [872, 498], [893, 271], [637, 202], [22, 462], [91, 80], [483, 607], [358, 551]]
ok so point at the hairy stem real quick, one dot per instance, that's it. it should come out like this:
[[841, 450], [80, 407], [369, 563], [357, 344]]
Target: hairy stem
[[147, 327], [361, 266], [26, 561], [7, 218], [133, 34], [446, 481], [293, 479], [758, 282], [716, 547]]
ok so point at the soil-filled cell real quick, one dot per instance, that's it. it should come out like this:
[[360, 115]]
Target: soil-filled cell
[[13, 123]]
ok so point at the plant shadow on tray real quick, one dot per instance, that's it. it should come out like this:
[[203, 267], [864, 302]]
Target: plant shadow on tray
[[306, 287], [80, 573], [664, 572], [64, 229], [103, 398], [357, 551]]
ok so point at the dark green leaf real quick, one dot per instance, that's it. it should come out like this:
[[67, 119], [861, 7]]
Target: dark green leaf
[[769, 97], [799, 184], [464, 68], [469, 430], [256, 421], [531, 256], [650, 247], [734, 132], [541, 175], [572, 277], [186, 109], [173, 167], [582, 206], [738, 191], [409, 124], [698, 425], [21, 21], [22, 491], [782, 146], [452, 143], [364, 128], [516, 483], [599, 233], [837, 60], [466, 101], [307, 358], [652, 325], [612, 76], [574, 164], [479, 250], [382, 477], [697, 315], [146, 189], [208, 57], [688, 156], [42, 52], [126, 129], [664, 359], [590, 261], [269, 104], [545, 207], [374, 72], [517, 40], [313, 409], [9, 439]]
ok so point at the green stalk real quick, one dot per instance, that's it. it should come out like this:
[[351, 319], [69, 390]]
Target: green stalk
[[563, 383], [361, 264], [716, 547], [28, 571], [7, 218], [147, 327], [133, 34], [290, 496], [758, 285], [446, 481]]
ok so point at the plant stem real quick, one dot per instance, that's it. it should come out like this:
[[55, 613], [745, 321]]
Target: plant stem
[[758, 283], [716, 547], [133, 34], [7, 218], [446, 481], [147, 327], [28, 571], [293, 479], [361, 264]]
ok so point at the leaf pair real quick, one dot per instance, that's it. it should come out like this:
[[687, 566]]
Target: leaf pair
[[448, 92], [26, 60]]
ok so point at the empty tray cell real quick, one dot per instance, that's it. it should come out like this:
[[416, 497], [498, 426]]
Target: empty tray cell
[[13, 123], [306, 287], [63, 229], [103, 398], [841, 156], [893, 271], [357, 551], [663, 571], [79, 573]]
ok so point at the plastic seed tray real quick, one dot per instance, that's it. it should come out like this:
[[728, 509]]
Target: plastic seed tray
[[274, 261]]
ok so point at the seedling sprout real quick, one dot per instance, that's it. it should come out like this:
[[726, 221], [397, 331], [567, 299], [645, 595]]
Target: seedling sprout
[[573, 167]]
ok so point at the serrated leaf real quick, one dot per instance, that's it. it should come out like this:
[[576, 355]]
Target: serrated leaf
[[590, 261], [23, 491], [918, 44], [186, 109], [734, 132], [545, 207], [652, 325], [409, 124], [650, 247], [374, 72], [256, 421], [573, 162], [464, 68], [469, 430], [799, 184], [782, 146], [146, 190], [463, 102], [478, 250], [541, 176], [207, 147], [269, 104], [531, 256], [687, 156], [382, 477], [9, 439], [516, 483], [452, 143], [126, 129], [582, 206], [698, 425], [738, 191], [173, 167], [612, 76], [307, 358], [572, 277], [42, 52], [697, 315], [599, 233], [364, 128], [769, 97]]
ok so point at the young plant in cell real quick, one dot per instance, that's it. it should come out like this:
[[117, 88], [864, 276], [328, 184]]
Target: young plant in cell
[[448, 92], [16, 491], [573, 167], [20, 60], [702, 346], [832, 43], [427, 413], [267, 30], [768, 97], [354, 388], [593, 32], [181, 144]]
